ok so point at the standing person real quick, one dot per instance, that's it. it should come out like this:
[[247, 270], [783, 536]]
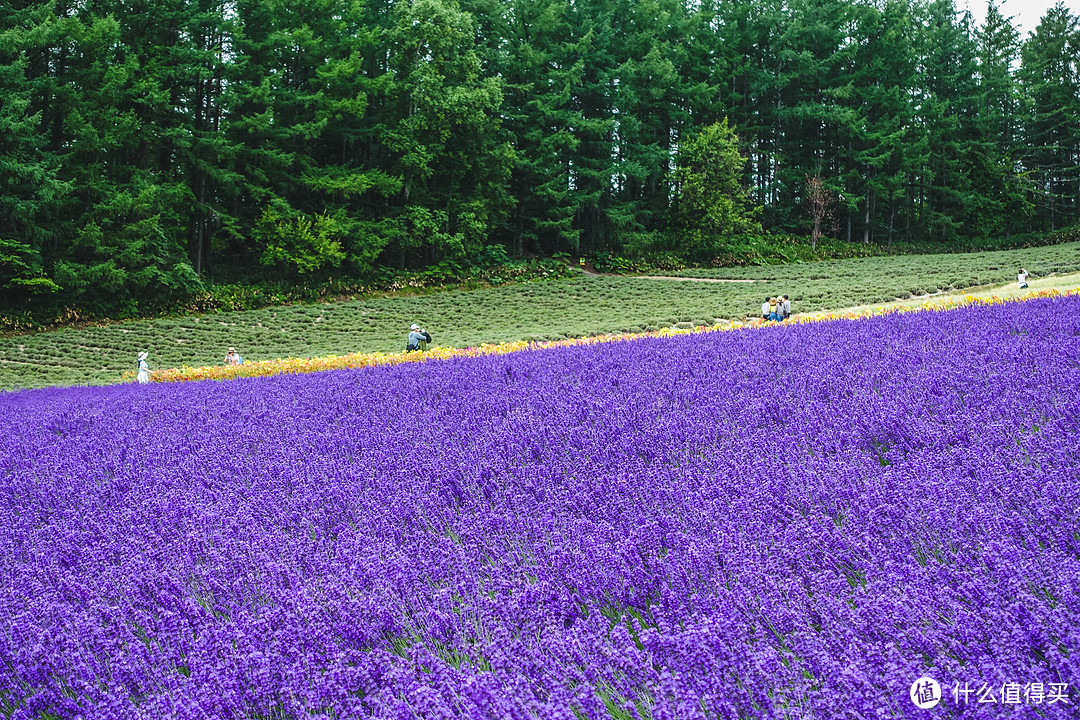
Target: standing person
[[143, 376], [1021, 278], [787, 307], [418, 339], [765, 309], [232, 357]]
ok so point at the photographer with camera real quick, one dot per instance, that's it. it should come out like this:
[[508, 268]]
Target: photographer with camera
[[418, 339]]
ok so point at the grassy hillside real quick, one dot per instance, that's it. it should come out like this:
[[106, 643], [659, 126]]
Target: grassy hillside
[[537, 311]]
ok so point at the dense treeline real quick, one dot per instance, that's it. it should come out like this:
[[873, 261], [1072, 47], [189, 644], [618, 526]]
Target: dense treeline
[[146, 143]]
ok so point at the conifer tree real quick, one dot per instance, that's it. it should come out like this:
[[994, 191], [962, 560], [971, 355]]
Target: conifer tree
[[32, 190], [1050, 78]]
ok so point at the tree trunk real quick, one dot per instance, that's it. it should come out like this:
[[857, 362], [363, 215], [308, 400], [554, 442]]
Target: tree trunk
[[892, 220], [866, 220], [199, 247]]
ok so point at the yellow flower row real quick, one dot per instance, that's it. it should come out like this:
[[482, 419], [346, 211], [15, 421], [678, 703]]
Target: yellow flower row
[[285, 366]]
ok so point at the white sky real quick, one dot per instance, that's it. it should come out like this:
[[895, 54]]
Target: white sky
[[1025, 13]]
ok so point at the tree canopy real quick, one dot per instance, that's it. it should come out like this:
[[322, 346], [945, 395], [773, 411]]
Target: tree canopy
[[145, 145]]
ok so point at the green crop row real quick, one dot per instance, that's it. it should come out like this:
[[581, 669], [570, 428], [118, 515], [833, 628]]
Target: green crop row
[[547, 310]]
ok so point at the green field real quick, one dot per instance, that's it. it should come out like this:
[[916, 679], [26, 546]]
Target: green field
[[545, 310]]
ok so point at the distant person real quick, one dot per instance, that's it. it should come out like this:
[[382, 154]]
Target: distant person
[[1021, 278], [765, 309], [143, 376], [786, 307], [774, 310], [233, 358], [418, 339]]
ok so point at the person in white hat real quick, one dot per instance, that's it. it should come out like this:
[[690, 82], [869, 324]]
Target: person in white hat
[[232, 357], [143, 375], [418, 339]]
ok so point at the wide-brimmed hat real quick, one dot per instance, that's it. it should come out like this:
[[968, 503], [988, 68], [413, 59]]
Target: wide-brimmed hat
[[232, 349], [143, 354], [414, 326]]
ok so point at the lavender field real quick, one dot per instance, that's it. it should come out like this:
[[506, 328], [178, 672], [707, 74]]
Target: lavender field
[[792, 522]]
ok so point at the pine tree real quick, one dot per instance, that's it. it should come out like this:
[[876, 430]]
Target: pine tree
[[539, 63], [1050, 78], [307, 153], [32, 190], [947, 115], [122, 225], [998, 199]]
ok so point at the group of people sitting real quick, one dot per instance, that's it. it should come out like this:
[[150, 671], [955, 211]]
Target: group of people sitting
[[776, 308]]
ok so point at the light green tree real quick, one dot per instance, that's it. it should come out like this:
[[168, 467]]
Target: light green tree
[[712, 207]]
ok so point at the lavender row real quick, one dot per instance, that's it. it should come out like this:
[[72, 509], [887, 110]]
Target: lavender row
[[787, 522]]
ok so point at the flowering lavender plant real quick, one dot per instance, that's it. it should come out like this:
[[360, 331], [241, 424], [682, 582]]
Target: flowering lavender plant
[[795, 522]]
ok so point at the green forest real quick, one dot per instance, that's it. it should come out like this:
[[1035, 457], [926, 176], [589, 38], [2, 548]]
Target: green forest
[[148, 148]]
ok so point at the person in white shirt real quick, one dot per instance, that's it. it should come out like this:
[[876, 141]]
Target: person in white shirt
[[143, 375], [765, 309], [1021, 278]]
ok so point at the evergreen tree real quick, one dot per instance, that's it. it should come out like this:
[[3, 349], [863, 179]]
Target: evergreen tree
[[592, 102], [998, 199], [145, 143], [650, 101], [122, 238], [306, 148], [32, 191], [748, 72], [445, 133], [1050, 77], [816, 118], [947, 113], [539, 64], [877, 163]]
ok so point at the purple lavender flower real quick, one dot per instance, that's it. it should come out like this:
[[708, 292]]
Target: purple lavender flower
[[788, 522]]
